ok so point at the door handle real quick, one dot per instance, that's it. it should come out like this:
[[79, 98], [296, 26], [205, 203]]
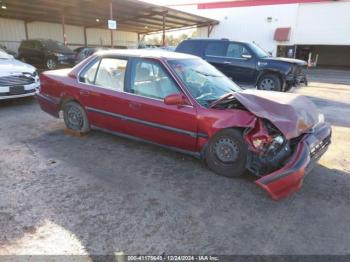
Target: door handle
[[84, 93], [227, 62], [134, 105]]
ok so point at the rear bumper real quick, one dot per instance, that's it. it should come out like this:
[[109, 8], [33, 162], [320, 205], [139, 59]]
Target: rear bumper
[[48, 104], [288, 179]]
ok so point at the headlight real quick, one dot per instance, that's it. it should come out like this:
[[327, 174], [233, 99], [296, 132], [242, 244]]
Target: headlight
[[58, 55], [321, 118]]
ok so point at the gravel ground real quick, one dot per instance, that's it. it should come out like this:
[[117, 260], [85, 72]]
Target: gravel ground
[[101, 194]]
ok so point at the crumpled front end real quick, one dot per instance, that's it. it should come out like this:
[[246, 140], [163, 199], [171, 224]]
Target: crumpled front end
[[306, 151]]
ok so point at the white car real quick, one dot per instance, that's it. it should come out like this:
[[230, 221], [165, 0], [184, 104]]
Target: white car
[[17, 79]]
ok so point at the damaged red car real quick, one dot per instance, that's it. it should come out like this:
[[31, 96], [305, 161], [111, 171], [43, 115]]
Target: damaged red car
[[183, 103]]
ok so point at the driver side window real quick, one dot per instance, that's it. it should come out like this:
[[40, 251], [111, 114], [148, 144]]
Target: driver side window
[[235, 50], [149, 79]]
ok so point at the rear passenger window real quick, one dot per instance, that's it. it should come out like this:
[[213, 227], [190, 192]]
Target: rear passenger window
[[108, 73], [111, 74], [216, 49]]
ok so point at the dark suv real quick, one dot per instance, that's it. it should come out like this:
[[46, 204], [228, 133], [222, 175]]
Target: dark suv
[[248, 64], [45, 52]]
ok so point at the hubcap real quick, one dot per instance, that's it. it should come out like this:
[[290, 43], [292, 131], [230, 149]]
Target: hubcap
[[75, 118], [226, 150], [51, 64], [267, 84]]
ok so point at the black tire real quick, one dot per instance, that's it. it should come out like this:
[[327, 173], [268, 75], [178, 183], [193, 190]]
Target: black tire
[[51, 63], [270, 82], [226, 154], [75, 117], [288, 87]]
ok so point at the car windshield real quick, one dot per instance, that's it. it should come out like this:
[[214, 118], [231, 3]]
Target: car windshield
[[205, 83], [4, 55], [261, 53]]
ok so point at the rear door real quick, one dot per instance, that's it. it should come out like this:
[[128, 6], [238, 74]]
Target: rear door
[[147, 115], [101, 92], [39, 52], [26, 51], [215, 52]]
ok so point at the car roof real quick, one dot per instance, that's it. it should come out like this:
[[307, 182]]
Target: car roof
[[215, 40], [159, 54]]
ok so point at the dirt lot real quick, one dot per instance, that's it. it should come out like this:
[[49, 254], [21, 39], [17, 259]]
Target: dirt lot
[[101, 194]]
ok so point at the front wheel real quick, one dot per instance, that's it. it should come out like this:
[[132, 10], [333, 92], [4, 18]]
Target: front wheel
[[51, 64], [226, 154], [75, 117], [270, 82]]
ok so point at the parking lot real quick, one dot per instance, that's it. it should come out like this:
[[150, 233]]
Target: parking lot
[[101, 194]]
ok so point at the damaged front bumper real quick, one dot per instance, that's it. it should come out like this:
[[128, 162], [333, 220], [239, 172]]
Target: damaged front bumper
[[288, 179]]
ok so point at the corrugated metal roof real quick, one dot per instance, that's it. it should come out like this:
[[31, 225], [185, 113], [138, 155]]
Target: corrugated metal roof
[[131, 15]]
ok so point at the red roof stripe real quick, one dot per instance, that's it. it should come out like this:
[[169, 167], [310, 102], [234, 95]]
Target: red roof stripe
[[243, 3]]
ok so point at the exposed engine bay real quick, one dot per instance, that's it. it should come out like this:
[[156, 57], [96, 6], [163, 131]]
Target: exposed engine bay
[[268, 148]]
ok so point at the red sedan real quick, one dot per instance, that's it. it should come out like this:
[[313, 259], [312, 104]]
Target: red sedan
[[183, 103]]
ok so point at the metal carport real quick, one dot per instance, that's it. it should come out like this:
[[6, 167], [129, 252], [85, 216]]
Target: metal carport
[[131, 15]]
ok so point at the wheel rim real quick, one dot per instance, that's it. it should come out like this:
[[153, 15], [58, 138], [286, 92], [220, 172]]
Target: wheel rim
[[51, 64], [75, 118], [267, 84], [226, 150]]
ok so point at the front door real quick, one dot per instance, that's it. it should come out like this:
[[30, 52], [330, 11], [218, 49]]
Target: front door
[[147, 115], [239, 64]]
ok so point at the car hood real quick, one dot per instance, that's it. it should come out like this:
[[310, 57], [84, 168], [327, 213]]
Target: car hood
[[292, 114], [287, 60], [13, 66]]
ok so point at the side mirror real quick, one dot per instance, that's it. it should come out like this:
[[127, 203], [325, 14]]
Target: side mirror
[[246, 56], [175, 99]]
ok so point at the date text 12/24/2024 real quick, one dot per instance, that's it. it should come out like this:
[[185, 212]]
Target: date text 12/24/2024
[[173, 258]]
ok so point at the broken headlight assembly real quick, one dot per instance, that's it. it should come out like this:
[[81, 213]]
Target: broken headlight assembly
[[269, 149]]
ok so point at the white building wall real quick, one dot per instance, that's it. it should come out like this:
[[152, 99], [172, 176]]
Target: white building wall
[[323, 24], [250, 23], [75, 34], [313, 23], [102, 37], [12, 32], [45, 30]]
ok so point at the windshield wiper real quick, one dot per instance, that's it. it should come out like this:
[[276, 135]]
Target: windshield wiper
[[223, 98]]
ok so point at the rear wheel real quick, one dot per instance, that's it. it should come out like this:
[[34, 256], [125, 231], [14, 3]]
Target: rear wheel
[[75, 117], [270, 82], [226, 154]]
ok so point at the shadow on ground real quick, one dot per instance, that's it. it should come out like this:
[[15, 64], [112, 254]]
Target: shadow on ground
[[118, 195]]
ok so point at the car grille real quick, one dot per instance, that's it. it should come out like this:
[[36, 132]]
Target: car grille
[[300, 70], [319, 149], [16, 80], [24, 92]]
